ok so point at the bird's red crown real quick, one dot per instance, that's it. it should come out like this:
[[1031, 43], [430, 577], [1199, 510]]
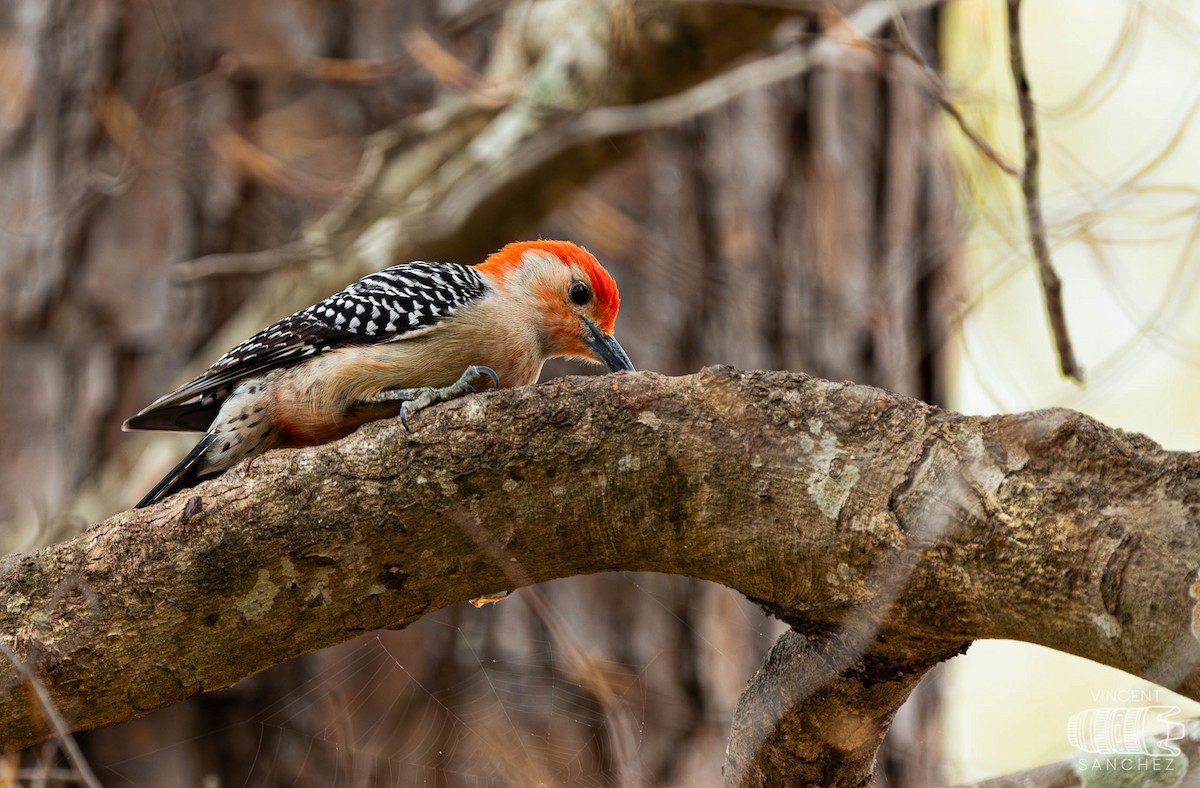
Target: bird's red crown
[[608, 301]]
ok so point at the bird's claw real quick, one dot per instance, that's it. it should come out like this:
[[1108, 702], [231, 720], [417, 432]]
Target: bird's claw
[[491, 373], [425, 397]]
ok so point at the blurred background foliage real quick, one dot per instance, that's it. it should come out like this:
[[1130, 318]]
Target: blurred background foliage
[[177, 175]]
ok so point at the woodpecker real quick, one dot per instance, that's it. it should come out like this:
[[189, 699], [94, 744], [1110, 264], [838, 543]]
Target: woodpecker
[[392, 343]]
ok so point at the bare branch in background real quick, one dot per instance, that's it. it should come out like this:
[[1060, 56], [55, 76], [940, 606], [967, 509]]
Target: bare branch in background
[[467, 182], [257, 164], [905, 45], [1051, 284], [230, 263]]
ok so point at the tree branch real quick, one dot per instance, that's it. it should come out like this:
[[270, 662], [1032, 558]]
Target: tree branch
[[819, 708], [1051, 284], [840, 508]]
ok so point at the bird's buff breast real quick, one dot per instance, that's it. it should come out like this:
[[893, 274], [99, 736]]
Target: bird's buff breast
[[322, 401]]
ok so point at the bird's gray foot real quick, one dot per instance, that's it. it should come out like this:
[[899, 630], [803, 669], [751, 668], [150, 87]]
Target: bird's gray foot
[[413, 400]]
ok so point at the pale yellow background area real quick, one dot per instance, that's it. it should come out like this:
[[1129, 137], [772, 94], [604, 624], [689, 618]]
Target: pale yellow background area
[[1117, 84]]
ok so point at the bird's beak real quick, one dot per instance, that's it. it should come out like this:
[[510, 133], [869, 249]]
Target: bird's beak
[[606, 347]]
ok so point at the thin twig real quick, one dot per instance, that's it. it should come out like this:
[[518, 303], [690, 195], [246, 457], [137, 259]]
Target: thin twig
[[74, 754], [904, 45], [244, 263], [1051, 284]]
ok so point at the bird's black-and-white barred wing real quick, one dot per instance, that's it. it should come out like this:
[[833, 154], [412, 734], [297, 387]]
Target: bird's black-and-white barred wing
[[380, 307]]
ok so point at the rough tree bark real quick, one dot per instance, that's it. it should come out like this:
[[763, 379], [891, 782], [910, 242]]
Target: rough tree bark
[[886, 532]]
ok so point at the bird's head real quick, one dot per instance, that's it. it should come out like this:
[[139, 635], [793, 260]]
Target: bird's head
[[575, 297]]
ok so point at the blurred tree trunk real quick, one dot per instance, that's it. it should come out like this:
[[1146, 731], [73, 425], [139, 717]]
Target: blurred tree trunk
[[809, 227]]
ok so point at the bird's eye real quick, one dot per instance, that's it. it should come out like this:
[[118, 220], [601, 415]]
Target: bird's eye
[[580, 293]]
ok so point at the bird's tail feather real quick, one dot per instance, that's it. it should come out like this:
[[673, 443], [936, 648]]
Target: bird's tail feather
[[183, 475]]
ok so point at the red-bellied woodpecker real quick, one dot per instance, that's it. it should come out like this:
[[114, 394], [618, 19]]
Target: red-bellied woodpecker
[[391, 343]]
